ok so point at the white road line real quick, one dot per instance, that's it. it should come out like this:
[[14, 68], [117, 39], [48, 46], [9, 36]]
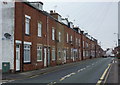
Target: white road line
[[67, 76], [84, 68]]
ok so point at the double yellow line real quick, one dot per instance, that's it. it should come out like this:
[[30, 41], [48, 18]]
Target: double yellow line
[[102, 79]]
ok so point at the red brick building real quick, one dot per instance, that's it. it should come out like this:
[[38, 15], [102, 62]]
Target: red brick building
[[42, 39]]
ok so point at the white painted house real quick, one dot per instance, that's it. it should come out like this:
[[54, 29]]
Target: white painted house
[[7, 33]]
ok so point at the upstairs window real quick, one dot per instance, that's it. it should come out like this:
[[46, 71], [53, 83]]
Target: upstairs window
[[59, 36], [27, 24], [76, 41], [71, 38], [53, 34], [67, 38], [39, 29], [79, 42]]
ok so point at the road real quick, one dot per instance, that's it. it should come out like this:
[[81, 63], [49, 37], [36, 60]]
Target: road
[[88, 71]]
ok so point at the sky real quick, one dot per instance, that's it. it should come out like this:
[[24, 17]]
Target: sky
[[97, 17]]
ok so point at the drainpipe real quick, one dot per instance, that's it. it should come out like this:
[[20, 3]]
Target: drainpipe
[[82, 45], [23, 22], [47, 26]]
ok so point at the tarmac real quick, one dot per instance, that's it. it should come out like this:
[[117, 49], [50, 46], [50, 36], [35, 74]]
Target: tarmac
[[114, 76], [28, 74]]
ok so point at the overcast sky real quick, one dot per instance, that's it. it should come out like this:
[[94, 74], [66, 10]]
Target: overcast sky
[[99, 19]]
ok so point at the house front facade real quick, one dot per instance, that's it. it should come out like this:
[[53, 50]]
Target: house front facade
[[35, 39]]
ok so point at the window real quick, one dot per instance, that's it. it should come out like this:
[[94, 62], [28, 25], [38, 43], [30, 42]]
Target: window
[[83, 44], [53, 53], [39, 29], [71, 37], [67, 38], [76, 41], [26, 53], [27, 24], [86, 44], [59, 36], [79, 42], [53, 34], [39, 53]]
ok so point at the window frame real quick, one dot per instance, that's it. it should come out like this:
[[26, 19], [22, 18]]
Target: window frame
[[39, 31], [27, 22], [53, 33], [67, 38], [26, 49], [53, 54], [39, 49], [59, 37]]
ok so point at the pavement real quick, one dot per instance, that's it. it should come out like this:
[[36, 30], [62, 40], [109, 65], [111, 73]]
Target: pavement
[[113, 73], [88, 71]]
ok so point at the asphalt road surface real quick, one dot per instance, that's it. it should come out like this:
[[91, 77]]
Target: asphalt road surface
[[88, 71]]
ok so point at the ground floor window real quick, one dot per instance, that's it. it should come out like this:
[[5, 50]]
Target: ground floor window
[[53, 53], [39, 53], [27, 53]]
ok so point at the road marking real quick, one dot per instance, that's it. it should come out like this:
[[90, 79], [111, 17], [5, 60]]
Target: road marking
[[52, 83], [34, 76], [78, 71], [84, 68], [115, 61], [107, 76], [67, 76], [102, 77]]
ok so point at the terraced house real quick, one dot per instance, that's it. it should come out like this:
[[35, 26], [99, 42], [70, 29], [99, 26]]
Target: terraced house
[[35, 39]]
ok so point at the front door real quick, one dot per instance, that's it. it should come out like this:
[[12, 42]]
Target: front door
[[45, 55], [64, 56], [48, 56], [17, 57]]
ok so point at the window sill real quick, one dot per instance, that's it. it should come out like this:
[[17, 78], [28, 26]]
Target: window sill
[[39, 60], [39, 36], [27, 62], [27, 34]]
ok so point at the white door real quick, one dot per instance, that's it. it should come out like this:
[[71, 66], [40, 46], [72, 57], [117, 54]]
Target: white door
[[48, 56], [73, 55], [45, 55], [64, 56], [17, 57]]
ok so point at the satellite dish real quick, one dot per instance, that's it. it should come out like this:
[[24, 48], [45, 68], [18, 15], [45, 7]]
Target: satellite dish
[[7, 35]]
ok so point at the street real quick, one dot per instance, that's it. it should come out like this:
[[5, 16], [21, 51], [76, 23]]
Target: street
[[88, 71]]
